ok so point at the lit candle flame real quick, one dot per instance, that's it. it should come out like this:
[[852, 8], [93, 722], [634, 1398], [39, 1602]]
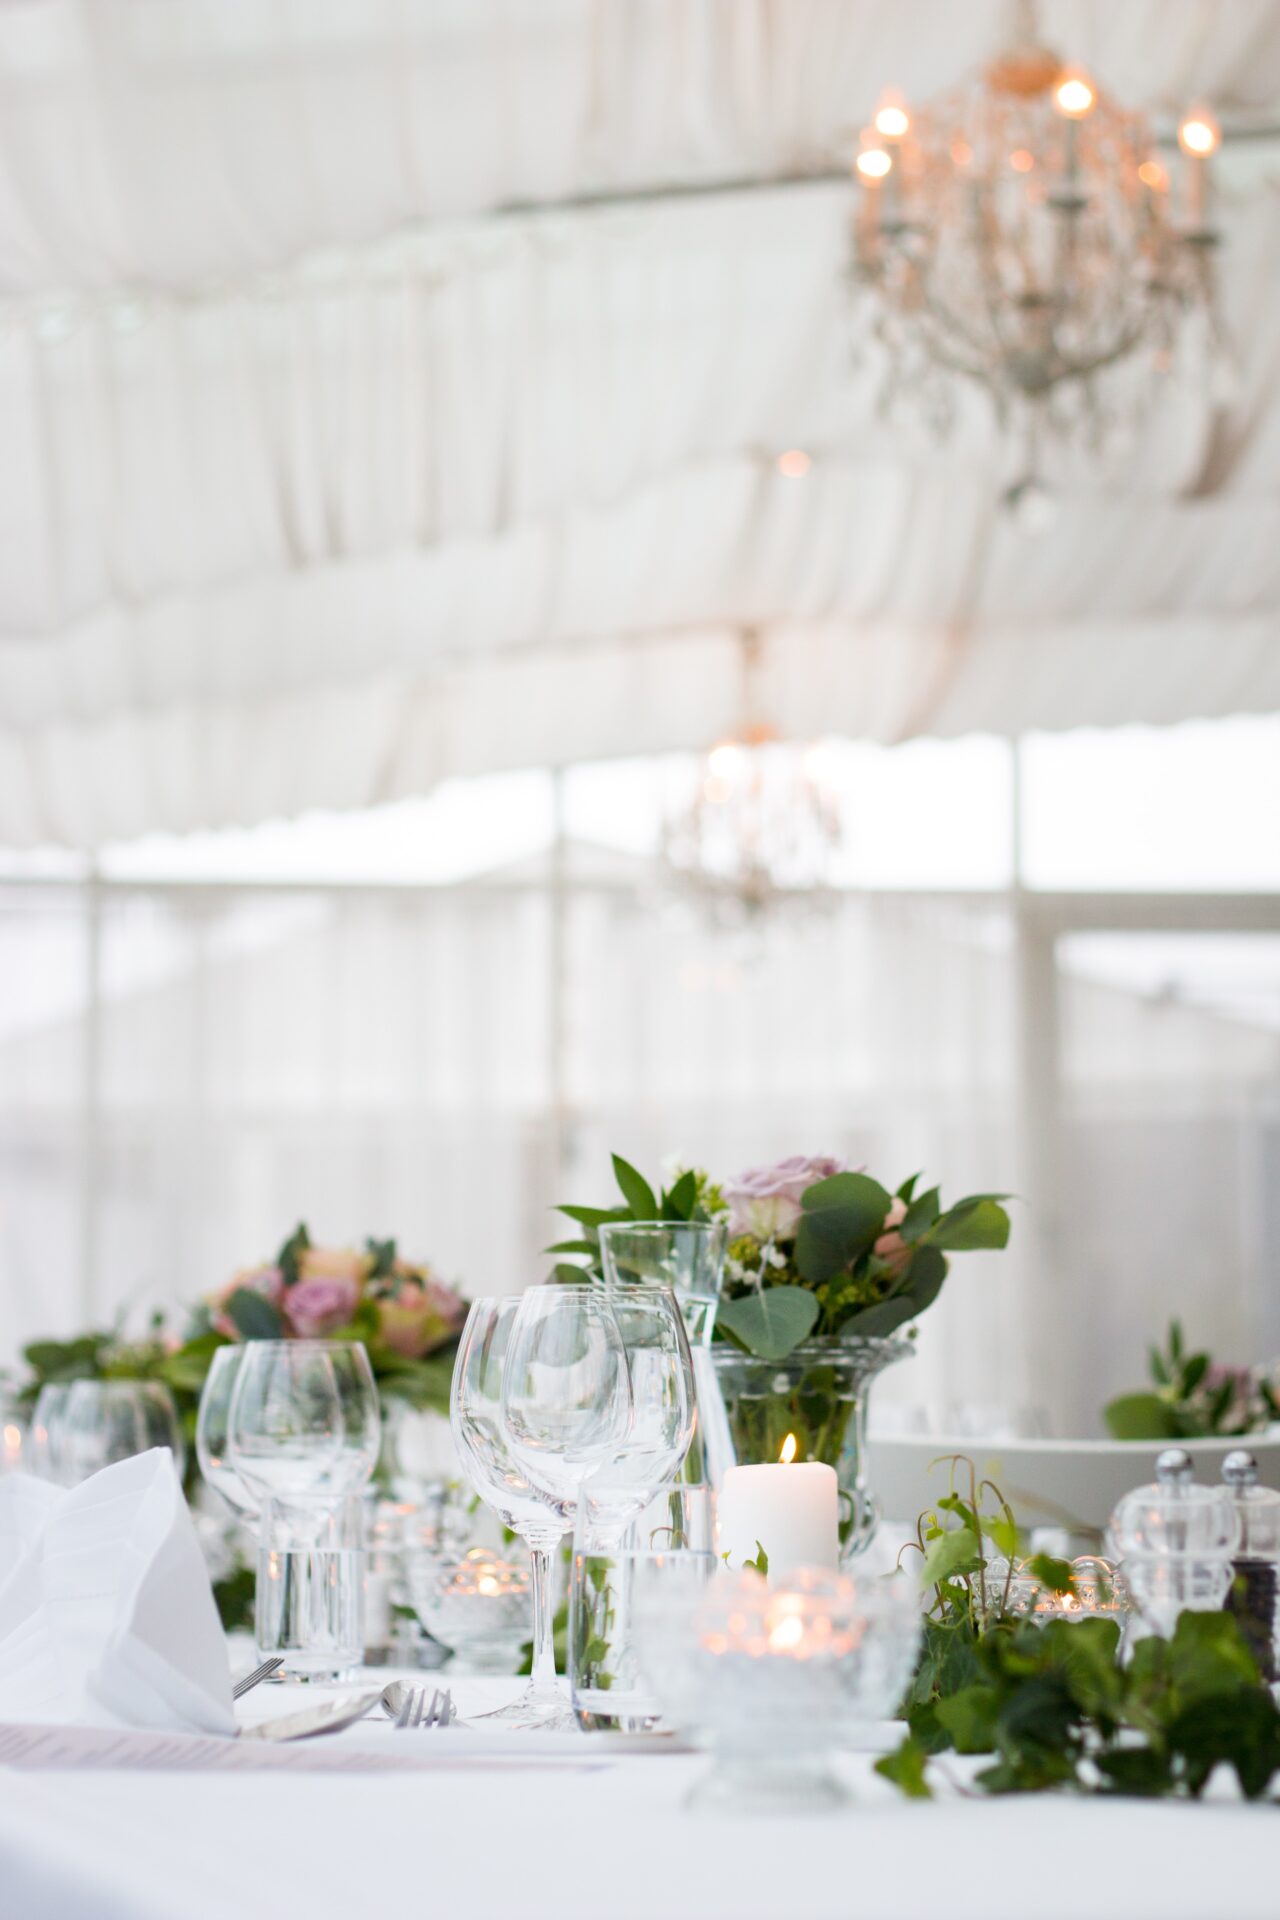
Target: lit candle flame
[[788, 1453]]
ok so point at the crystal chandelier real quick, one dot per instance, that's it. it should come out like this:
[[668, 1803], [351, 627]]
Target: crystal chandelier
[[762, 828], [1018, 233]]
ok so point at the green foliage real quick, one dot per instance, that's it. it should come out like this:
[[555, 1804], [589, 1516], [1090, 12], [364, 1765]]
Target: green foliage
[[253, 1316], [832, 1256], [1050, 1700], [1055, 1706], [1191, 1399], [691, 1197], [760, 1564], [771, 1323]]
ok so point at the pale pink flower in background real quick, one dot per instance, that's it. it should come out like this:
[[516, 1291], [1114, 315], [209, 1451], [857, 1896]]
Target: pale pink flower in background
[[891, 1246], [331, 1263], [420, 1316], [765, 1201], [318, 1304]]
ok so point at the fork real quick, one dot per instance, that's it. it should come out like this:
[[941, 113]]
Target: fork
[[267, 1668], [417, 1711]]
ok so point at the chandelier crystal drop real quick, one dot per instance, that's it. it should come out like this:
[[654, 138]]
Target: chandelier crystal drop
[[1021, 233], [762, 828]]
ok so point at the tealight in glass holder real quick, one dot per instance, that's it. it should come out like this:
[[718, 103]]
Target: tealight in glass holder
[[477, 1605], [774, 1680]]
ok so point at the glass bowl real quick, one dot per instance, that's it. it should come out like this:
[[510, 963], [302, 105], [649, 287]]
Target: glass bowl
[[774, 1680], [477, 1605]]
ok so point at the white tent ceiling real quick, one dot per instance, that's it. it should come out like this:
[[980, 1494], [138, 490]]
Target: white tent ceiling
[[326, 478]]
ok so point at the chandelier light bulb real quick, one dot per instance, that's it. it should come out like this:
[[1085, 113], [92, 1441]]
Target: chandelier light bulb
[[873, 164], [892, 121], [1155, 175], [1074, 94], [1199, 134], [794, 463]]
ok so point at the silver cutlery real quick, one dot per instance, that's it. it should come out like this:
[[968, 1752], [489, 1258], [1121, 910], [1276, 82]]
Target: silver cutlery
[[263, 1672], [330, 1718], [411, 1706]]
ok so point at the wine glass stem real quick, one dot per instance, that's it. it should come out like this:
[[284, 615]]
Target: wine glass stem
[[543, 1671]]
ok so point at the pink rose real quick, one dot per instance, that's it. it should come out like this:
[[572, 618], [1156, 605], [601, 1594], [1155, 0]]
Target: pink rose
[[765, 1201], [315, 1306], [419, 1316], [268, 1281], [891, 1246]]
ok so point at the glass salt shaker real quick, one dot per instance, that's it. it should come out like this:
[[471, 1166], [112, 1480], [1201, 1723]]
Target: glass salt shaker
[[1254, 1595], [1176, 1541]]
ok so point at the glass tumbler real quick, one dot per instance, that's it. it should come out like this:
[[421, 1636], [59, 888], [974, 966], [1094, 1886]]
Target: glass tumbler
[[662, 1560], [309, 1601]]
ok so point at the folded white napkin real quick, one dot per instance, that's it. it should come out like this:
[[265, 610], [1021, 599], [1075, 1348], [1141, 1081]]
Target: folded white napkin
[[107, 1617]]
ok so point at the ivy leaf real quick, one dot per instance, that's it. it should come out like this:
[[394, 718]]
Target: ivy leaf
[[772, 1323], [1054, 1575], [905, 1767], [970, 1717], [1141, 1416], [253, 1316], [635, 1190], [950, 1553]]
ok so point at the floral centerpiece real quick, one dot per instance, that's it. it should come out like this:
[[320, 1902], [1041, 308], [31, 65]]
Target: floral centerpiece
[[408, 1319], [825, 1273], [1193, 1397]]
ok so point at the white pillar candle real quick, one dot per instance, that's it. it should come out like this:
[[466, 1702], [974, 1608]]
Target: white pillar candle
[[791, 1511]]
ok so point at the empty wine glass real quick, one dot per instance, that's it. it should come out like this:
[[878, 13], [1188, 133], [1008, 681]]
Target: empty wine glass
[[566, 1394], [663, 1407], [302, 1427], [103, 1421], [487, 1459], [212, 1421], [45, 1434]]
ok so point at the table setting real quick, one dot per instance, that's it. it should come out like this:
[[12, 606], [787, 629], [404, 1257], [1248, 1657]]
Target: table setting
[[754, 1702]]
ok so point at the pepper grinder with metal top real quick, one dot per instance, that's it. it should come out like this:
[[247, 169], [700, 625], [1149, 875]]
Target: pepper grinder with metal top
[[1254, 1595]]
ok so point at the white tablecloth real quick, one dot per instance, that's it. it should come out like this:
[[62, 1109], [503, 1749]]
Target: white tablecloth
[[612, 1842]]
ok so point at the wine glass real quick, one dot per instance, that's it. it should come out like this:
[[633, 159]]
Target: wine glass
[[45, 1435], [103, 1421], [487, 1459], [212, 1444], [303, 1428], [566, 1394], [663, 1405]]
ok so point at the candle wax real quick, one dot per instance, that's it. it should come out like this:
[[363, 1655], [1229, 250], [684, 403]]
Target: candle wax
[[791, 1511]]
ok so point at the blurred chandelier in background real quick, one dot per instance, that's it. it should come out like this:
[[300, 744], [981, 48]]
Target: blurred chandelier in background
[[763, 828], [1018, 232]]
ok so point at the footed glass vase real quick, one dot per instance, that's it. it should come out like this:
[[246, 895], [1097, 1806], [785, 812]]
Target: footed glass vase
[[818, 1393]]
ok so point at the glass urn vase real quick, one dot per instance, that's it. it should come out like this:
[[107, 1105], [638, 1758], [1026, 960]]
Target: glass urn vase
[[818, 1394]]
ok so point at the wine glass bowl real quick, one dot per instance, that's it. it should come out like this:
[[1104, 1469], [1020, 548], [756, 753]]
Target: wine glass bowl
[[302, 1425]]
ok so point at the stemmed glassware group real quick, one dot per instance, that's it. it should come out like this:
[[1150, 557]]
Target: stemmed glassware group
[[288, 1433], [562, 1389]]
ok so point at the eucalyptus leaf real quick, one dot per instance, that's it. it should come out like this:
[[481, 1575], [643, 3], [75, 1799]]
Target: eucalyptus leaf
[[972, 1224], [772, 1323], [253, 1316]]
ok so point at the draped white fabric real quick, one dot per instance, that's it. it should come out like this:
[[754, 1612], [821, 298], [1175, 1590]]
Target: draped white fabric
[[388, 1063], [307, 503]]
